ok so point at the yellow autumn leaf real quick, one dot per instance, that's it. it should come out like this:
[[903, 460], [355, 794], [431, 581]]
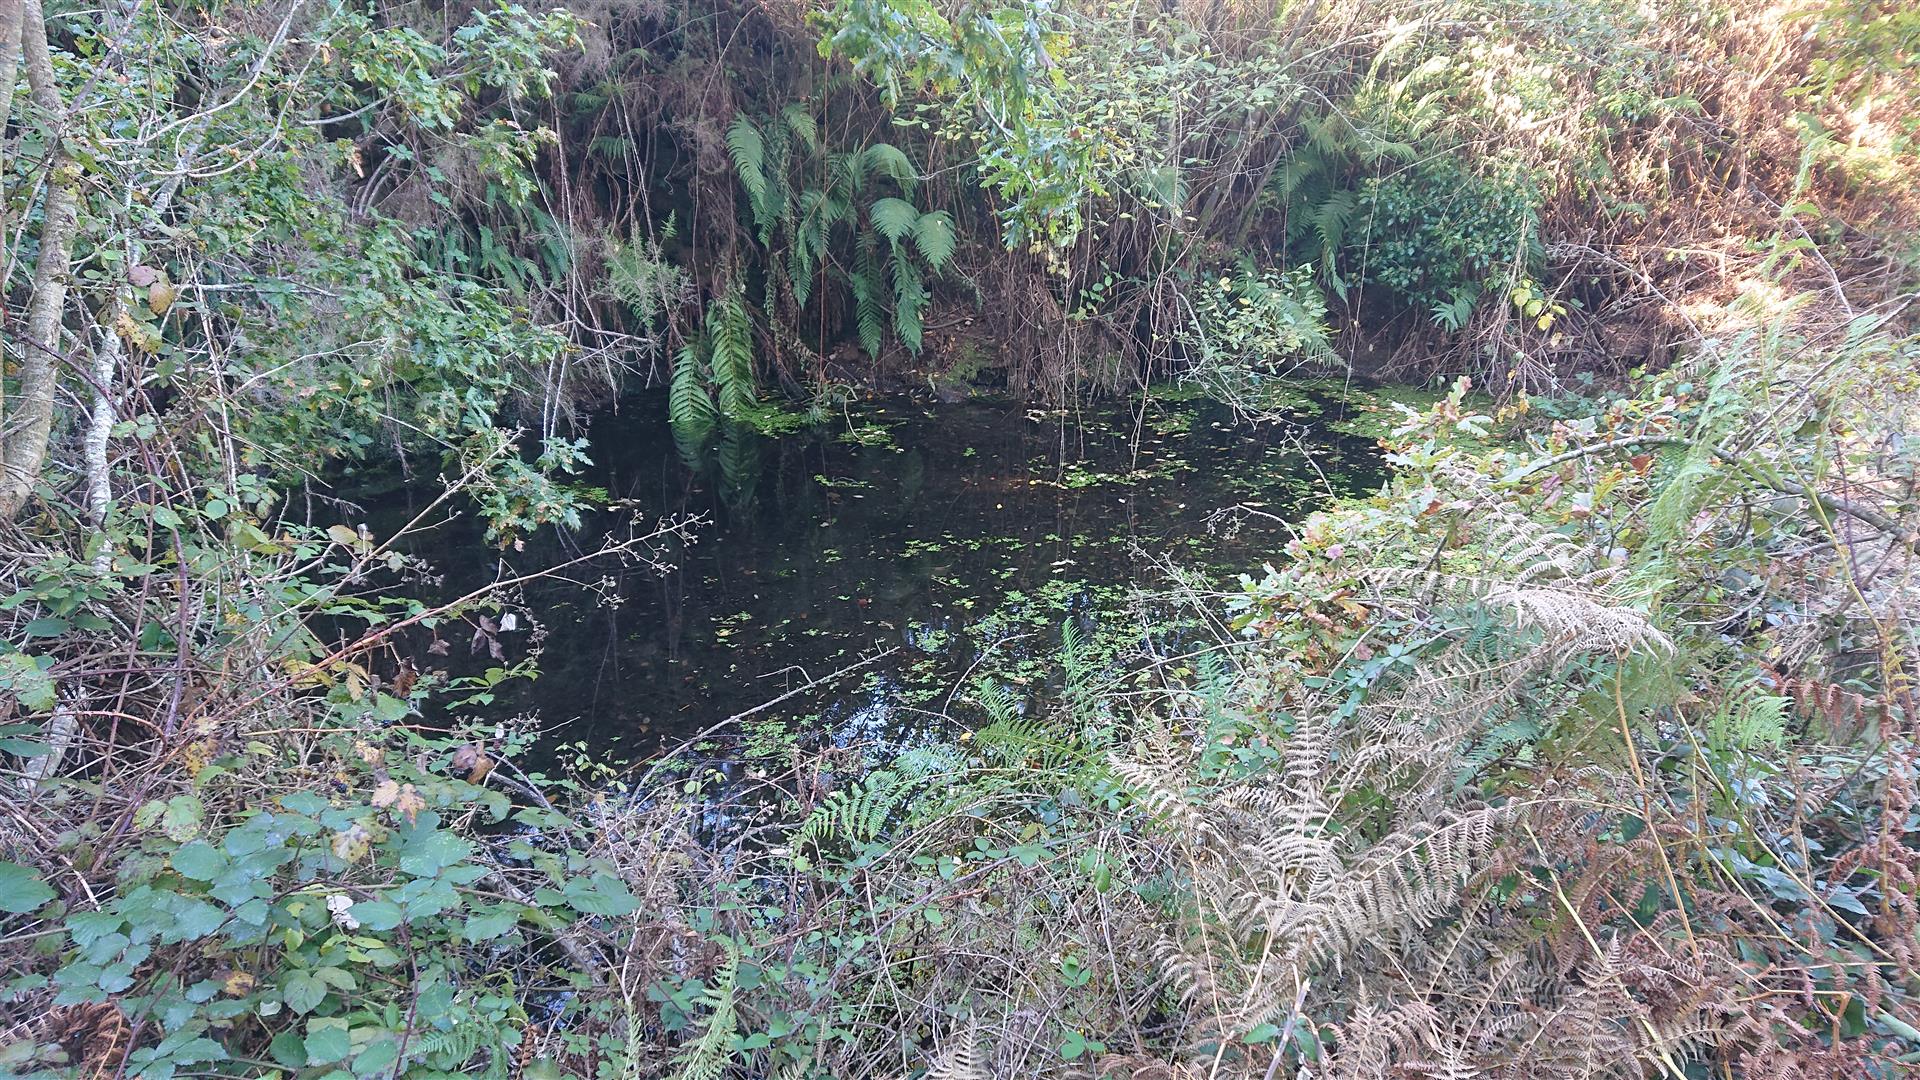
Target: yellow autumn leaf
[[351, 843], [160, 296], [409, 803], [386, 794]]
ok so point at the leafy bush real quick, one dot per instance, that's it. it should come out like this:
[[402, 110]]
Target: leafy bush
[[1436, 234]]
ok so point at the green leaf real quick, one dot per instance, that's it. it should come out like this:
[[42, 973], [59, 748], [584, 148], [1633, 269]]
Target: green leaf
[[427, 851], [87, 927], [30, 683], [303, 992], [21, 890], [304, 802], [487, 925], [200, 861], [288, 1049], [377, 1058], [181, 820], [378, 914], [544, 1069], [195, 919], [602, 894], [326, 1041]]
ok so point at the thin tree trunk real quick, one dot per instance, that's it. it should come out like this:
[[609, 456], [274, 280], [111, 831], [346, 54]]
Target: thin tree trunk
[[11, 12], [107, 353], [31, 420]]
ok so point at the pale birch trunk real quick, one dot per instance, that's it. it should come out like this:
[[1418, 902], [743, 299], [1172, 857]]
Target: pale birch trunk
[[29, 423]]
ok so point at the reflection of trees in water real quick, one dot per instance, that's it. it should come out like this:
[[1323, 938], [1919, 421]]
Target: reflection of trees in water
[[960, 539], [730, 454], [738, 457]]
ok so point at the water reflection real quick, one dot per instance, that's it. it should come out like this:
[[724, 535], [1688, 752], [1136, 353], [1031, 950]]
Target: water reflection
[[961, 535]]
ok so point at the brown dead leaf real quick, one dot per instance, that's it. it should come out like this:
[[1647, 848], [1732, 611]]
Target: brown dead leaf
[[387, 793], [472, 760]]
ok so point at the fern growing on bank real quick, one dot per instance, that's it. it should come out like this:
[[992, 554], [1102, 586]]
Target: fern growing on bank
[[730, 330], [713, 373], [808, 201], [852, 815], [689, 404], [707, 1057]]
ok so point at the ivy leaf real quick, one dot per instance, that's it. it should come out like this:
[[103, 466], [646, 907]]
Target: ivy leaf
[[21, 890]]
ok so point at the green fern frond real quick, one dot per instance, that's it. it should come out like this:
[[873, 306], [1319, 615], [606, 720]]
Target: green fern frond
[[610, 147], [894, 219], [707, 1057], [749, 153], [869, 312], [1330, 220], [851, 815], [776, 208], [690, 443], [886, 159], [848, 172], [934, 236], [800, 270], [1748, 718], [688, 405], [730, 331], [799, 121], [909, 300], [1682, 493], [738, 456], [997, 701]]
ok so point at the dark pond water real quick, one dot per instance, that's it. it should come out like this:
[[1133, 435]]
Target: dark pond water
[[960, 535]]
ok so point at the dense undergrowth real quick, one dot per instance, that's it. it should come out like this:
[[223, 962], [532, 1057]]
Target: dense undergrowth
[[1584, 748]]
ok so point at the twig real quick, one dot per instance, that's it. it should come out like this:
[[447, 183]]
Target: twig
[[762, 707]]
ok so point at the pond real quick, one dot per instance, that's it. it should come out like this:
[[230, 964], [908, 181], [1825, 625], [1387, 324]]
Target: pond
[[962, 537]]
